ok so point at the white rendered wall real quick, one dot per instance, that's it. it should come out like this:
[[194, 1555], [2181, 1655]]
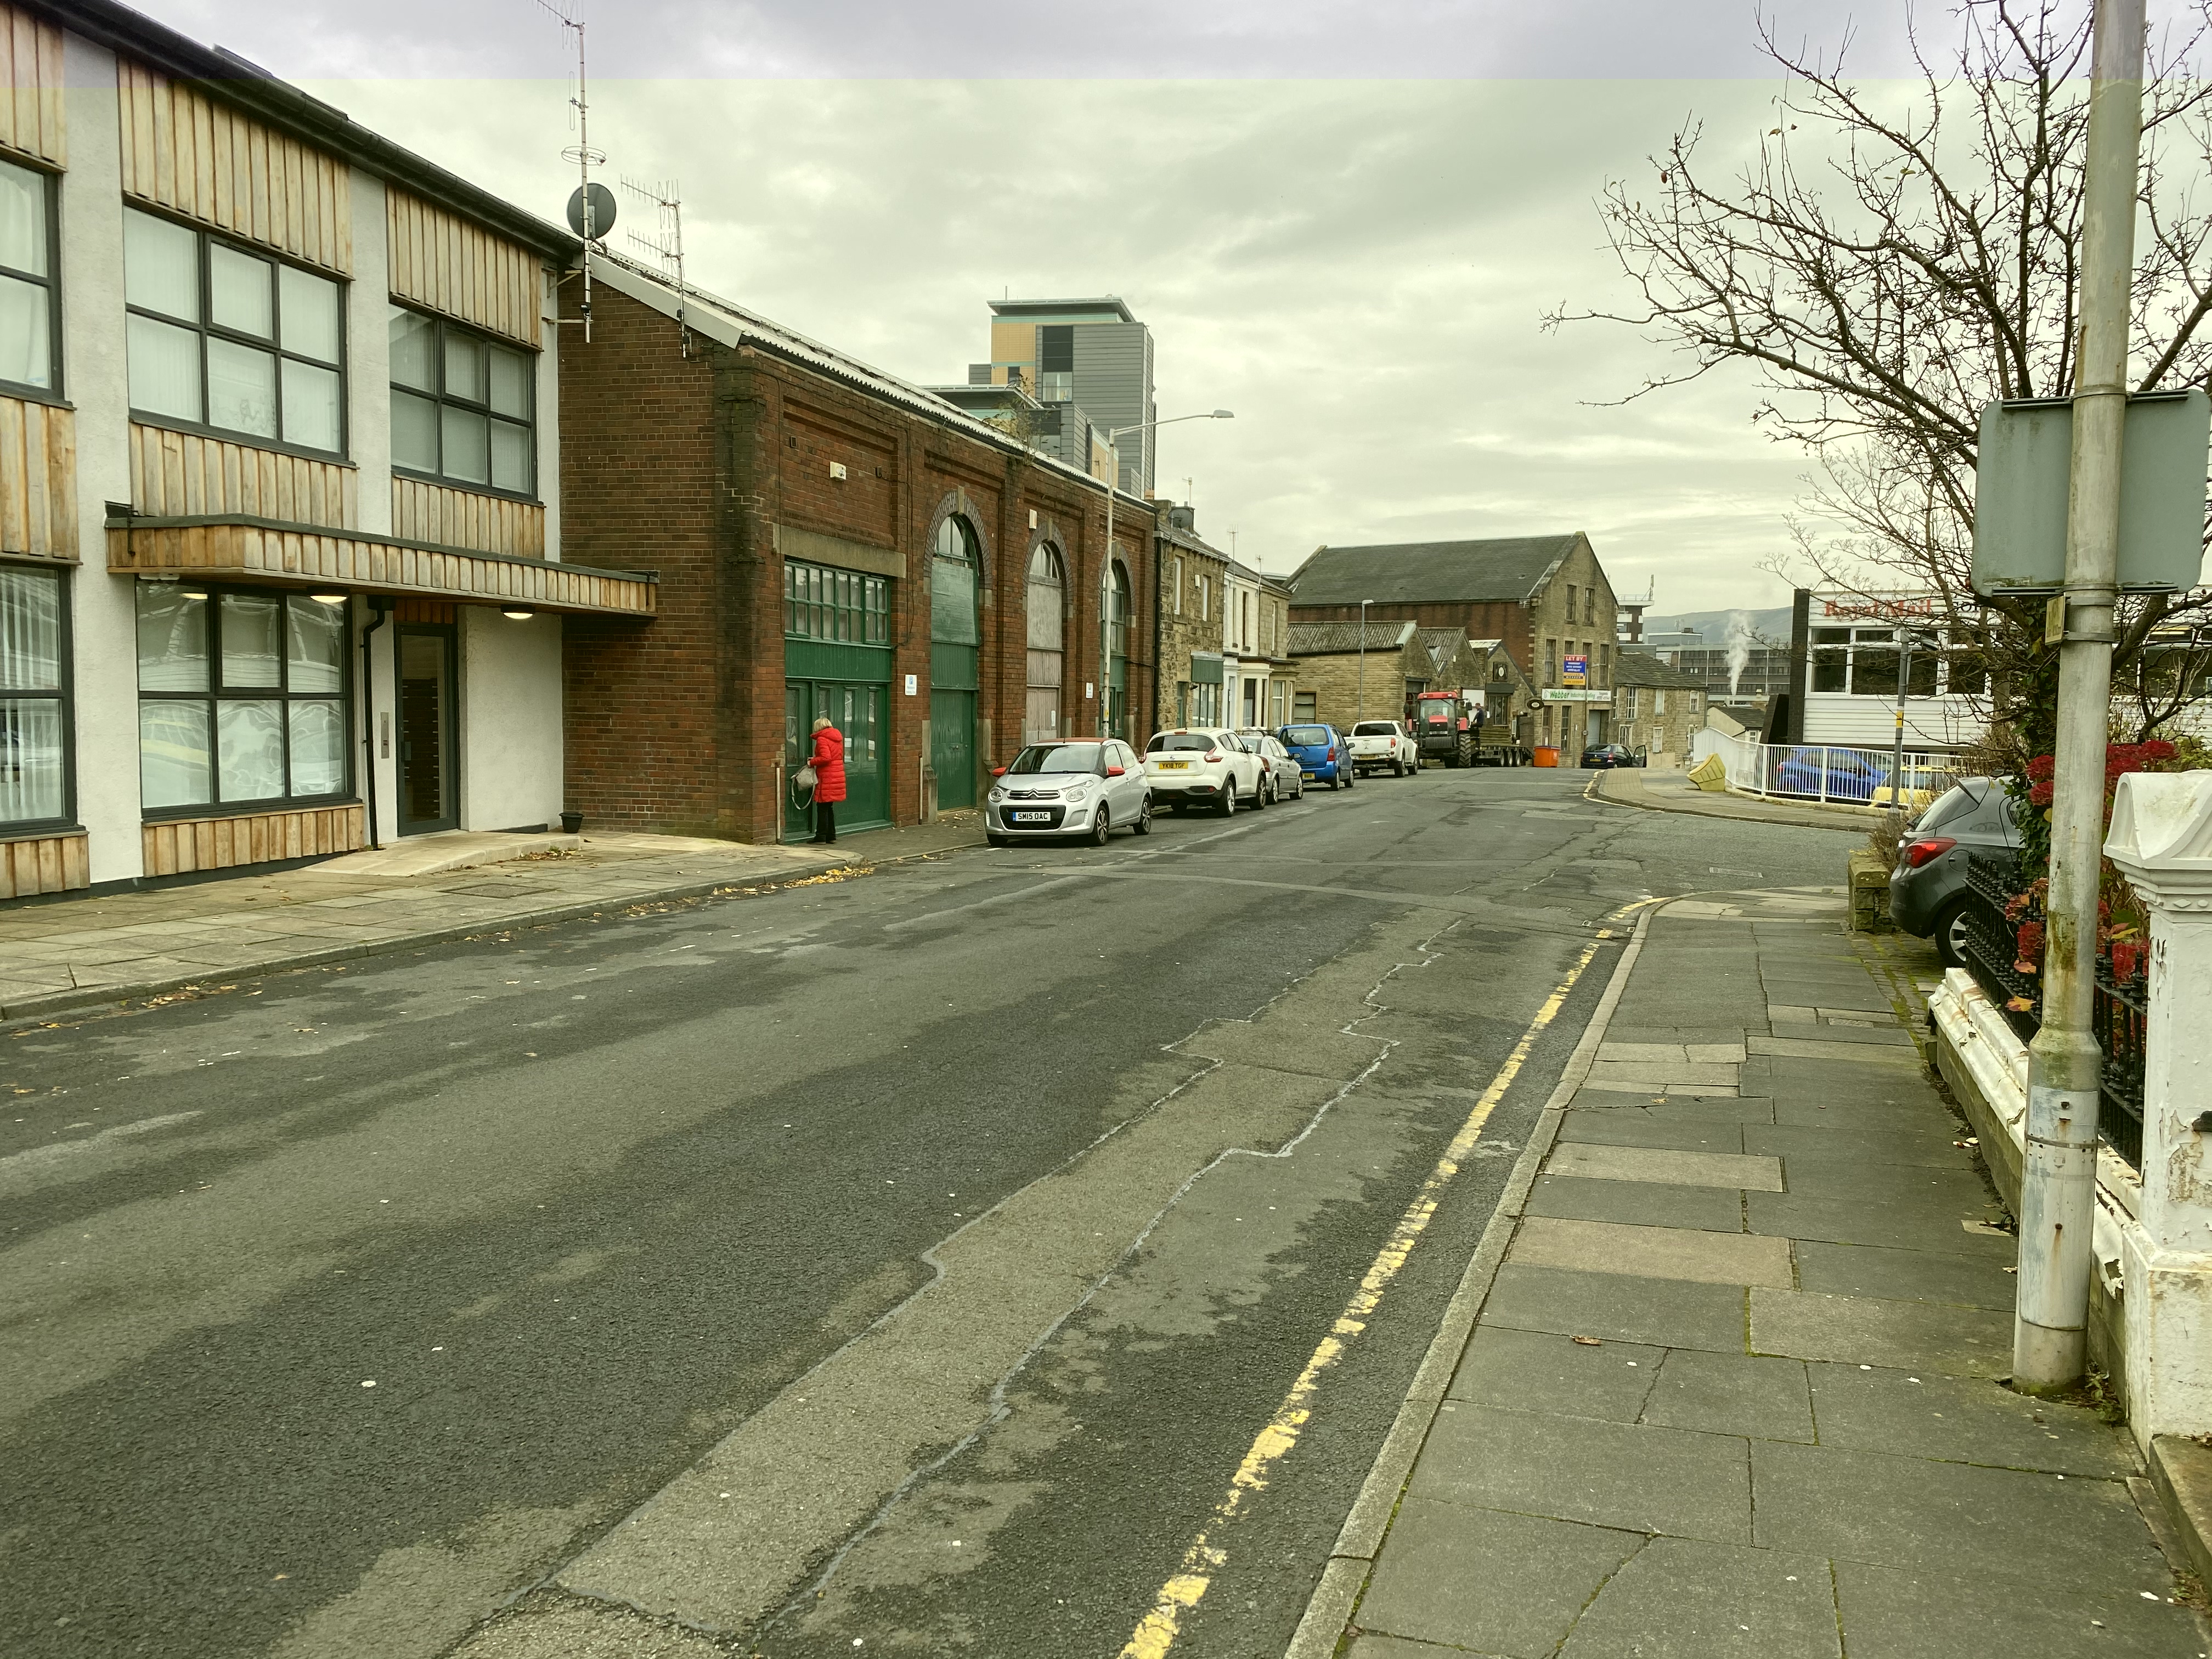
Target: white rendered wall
[[104, 617], [1846, 720], [510, 752]]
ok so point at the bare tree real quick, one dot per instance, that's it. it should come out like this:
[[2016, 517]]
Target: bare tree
[[1887, 265]]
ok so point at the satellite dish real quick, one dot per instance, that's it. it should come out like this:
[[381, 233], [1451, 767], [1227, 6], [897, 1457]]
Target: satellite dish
[[603, 210]]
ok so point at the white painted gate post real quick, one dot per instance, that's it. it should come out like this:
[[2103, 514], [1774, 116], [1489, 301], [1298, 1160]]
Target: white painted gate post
[[2161, 841]]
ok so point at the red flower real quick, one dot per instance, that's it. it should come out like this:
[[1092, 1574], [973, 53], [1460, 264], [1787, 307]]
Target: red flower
[[2030, 942], [2039, 794], [2040, 769], [2158, 749], [2127, 959]]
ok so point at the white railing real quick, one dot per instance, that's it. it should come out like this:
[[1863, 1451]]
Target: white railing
[[1829, 774]]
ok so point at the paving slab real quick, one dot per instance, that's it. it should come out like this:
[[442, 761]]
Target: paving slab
[[1867, 1331], [1542, 1371], [1401, 1647], [1935, 1225], [1856, 1180], [1719, 1109], [1618, 1307], [1860, 1270], [1681, 1598], [1835, 1138], [1958, 1419], [1673, 1072], [1758, 1395], [1830, 1045], [1497, 1583], [1596, 1161], [1577, 1469], [1656, 1088], [1908, 1511], [1649, 1204], [1916, 1613], [1674, 1253], [1624, 1030], [1699, 1134]]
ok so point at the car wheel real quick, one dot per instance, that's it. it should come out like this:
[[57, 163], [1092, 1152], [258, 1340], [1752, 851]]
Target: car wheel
[[1264, 796], [1335, 782], [1400, 765], [1228, 807], [1143, 826], [1103, 828], [1950, 933]]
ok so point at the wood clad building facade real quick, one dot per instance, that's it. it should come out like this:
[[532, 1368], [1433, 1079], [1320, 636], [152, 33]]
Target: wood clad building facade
[[280, 571]]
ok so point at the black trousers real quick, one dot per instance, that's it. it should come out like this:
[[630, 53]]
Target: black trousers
[[825, 822]]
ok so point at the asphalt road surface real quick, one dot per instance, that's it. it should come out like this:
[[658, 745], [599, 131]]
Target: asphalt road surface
[[909, 1260]]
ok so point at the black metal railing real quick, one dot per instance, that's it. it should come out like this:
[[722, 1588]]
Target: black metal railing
[[2117, 1011], [2119, 1019]]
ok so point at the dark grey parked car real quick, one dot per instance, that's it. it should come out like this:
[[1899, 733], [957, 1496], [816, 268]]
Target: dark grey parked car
[[1928, 892]]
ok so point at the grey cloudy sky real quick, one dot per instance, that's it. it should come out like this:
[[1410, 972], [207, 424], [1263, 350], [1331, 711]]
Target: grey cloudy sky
[[1342, 221]]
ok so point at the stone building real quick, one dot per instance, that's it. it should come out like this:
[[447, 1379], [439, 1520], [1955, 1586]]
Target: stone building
[[1258, 668], [831, 541], [1655, 708], [1346, 673], [1546, 598], [1194, 586]]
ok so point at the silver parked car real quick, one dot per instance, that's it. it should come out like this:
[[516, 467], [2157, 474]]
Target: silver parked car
[[1080, 788], [1286, 777]]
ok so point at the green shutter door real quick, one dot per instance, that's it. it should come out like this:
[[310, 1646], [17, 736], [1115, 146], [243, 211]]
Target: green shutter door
[[953, 665], [837, 662]]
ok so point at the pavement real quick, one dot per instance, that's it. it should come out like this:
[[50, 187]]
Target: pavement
[[1669, 789], [77, 951], [969, 1222], [1725, 1378]]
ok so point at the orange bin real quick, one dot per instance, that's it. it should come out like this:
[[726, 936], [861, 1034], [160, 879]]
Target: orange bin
[[1548, 757]]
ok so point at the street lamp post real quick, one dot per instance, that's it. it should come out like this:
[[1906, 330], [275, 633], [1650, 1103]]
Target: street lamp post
[[1113, 483]]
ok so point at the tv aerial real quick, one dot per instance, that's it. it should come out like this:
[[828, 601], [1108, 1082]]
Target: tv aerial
[[592, 205], [666, 243]]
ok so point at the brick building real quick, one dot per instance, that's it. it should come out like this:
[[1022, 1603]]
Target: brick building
[[1545, 598], [1194, 592], [1655, 708], [829, 540]]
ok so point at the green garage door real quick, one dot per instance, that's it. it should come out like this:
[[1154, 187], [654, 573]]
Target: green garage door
[[837, 662], [952, 653]]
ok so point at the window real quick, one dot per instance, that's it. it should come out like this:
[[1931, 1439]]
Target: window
[[223, 338], [1206, 599], [1590, 605], [1046, 615], [1551, 662], [1175, 581], [30, 312], [241, 698], [34, 698], [844, 607], [464, 407]]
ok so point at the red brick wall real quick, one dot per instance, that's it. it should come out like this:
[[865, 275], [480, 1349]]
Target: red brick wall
[[686, 467]]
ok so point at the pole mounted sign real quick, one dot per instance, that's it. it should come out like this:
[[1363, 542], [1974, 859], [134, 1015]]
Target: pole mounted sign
[[1574, 670], [2020, 491]]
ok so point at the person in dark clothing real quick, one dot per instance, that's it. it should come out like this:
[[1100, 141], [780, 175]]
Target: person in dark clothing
[[827, 761]]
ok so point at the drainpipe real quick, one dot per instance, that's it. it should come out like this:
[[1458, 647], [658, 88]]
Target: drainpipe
[[382, 609]]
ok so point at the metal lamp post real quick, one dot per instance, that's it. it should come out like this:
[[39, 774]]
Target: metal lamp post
[[1114, 484]]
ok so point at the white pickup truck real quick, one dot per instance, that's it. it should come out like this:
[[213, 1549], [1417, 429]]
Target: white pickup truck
[[1383, 746]]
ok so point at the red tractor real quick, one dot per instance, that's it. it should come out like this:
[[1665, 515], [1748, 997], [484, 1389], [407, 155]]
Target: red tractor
[[1446, 726]]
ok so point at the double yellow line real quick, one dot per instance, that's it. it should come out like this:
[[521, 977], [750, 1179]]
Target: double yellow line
[[1194, 1574]]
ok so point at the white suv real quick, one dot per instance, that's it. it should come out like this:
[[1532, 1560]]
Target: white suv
[[1204, 766]]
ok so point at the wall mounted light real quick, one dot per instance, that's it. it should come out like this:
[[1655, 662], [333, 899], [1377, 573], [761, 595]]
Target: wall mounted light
[[328, 598], [517, 613]]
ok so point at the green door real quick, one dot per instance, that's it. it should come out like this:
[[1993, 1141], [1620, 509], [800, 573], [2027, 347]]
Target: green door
[[952, 656], [837, 662]]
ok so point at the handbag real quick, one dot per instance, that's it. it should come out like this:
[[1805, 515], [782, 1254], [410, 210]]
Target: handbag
[[802, 785]]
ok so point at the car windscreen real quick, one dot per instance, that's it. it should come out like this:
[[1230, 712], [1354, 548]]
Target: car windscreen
[[1056, 757], [1306, 736], [1374, 729], [1166, 742]]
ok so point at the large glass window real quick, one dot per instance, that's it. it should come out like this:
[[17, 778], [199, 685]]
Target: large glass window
[[241, 698], [30, 316], [1045, 610], [34, 698], [463, 407], [846, 607], [225, 338]]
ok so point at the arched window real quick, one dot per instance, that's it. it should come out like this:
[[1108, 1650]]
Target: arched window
[[1046, 606], [953, 651], [1116, 612], [952, 583]]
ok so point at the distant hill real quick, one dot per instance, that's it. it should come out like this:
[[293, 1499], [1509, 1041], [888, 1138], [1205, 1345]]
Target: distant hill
[[1773, 625]]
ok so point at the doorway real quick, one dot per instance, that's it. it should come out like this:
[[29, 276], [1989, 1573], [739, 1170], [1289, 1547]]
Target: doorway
[[429, 768], [859, 711]]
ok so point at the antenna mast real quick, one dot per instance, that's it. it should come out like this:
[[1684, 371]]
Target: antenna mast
[[667, 245], [580, 152]]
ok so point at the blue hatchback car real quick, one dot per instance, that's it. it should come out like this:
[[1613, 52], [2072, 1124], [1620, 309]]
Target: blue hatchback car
[[1321, 752]]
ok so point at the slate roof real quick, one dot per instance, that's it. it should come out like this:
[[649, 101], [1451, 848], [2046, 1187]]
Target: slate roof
[[1411, 573], [1631, 667], [1323, 639]]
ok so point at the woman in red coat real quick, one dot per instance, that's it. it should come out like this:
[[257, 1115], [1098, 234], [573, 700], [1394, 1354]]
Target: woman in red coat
[[827, 761]]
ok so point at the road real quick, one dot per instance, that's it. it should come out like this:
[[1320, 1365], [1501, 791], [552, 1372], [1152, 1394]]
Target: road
[[906, 1259]]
